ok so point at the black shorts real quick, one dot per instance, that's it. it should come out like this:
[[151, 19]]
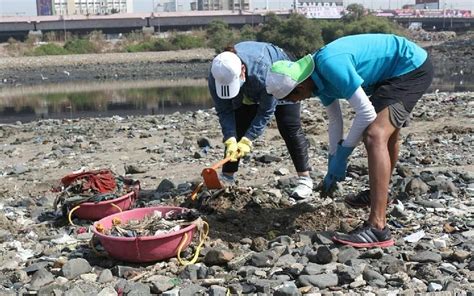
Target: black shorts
[[400, 94]]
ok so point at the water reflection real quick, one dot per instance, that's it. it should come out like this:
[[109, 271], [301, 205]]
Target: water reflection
[[136, 99], [140, 98]]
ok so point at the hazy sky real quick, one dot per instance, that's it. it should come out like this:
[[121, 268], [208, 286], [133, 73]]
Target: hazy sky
[[28, 7]]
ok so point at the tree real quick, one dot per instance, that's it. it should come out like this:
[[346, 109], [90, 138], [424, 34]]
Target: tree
[[354, 12], [219, 35], [297, 34]]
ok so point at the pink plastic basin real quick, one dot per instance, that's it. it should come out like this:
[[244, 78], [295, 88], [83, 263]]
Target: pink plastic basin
[[95, 211], [144, 248]]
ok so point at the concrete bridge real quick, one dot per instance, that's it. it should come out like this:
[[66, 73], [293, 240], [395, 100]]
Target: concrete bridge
[[20, 27]]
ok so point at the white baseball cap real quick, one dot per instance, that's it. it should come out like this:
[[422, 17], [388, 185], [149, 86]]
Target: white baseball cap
[[226, 68]]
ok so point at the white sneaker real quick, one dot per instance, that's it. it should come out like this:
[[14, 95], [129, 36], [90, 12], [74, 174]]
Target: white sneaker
[[304, 188]]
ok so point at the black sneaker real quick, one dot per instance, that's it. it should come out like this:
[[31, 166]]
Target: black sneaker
[[366, 236], [361, 200]]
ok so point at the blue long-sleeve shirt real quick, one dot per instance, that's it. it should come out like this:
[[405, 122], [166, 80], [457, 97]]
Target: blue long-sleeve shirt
[[257, 57]]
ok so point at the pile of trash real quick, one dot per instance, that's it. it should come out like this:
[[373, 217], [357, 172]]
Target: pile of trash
[[151, 225]]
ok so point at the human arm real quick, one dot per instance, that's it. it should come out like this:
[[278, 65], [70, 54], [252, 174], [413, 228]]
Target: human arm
[[265, 111]]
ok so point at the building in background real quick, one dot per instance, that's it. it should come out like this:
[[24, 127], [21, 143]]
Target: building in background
[[44, 7], [427, 4], [323, 9], [83, 7]]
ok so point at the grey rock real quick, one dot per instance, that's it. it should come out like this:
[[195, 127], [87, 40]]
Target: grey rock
[[429, 203], [238, 262], [416, 187], [52, 289], [165, 186], [190, 272], [161, 283], [263, 259], [105, 276], [426, 257], [41, 278], [346, 253], [285, 261], [137, 289], [324, 237], [319, 280], [174, 292], [287, 289], [215, 290], [108, 291], [313, 268], [192, 290], [348, 274], [75, 267], [371, 275], [75, 291], [218, 256]]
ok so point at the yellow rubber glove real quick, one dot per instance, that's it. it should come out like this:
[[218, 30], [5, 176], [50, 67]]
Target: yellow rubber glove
[[244, 146], [231, 149]]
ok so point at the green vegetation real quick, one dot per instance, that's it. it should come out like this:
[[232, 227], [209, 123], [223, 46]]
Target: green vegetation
[[49, 49], [296, 34]]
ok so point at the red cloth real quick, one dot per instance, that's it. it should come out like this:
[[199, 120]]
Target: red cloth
[[101, 181]]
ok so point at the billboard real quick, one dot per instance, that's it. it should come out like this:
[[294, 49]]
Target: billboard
[[44, 7], [427, 4], [321, 9]]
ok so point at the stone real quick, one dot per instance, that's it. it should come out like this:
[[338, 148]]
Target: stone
[[105, 276], [263, 259], [75, 267], [161, 283], [433, 287], [218, 257], [41, 278], [108, 291], [286, 289], [346, 253], [137, 289], [191, 290], [321, 281], [426, 257], [215, 290], [416, 187]]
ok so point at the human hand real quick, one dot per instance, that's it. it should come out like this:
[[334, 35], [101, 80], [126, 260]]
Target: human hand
[[337, 166], [231, 149], [243, 147]]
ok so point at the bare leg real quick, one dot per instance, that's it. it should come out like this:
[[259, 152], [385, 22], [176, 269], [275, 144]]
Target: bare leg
[[376, 140], [393, 149]]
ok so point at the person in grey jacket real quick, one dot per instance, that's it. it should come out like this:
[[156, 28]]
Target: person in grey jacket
[[237, 86]]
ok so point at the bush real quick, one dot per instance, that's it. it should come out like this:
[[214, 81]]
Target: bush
[[80, 46], [185, 41], [49, 49], [248, 33]]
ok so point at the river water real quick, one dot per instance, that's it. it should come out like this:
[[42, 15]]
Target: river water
[[136, 98]]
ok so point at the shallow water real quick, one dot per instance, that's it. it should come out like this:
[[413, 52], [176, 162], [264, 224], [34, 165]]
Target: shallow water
[[105, 99]]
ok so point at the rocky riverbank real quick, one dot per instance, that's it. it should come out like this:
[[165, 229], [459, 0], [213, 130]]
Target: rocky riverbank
[[22, 71], [260, 241]]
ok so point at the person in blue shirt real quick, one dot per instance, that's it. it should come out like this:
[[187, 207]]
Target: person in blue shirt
[[237, 86], [395, 73]]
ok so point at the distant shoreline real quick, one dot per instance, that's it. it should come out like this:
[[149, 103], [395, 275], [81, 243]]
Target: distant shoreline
[[18, 72]]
